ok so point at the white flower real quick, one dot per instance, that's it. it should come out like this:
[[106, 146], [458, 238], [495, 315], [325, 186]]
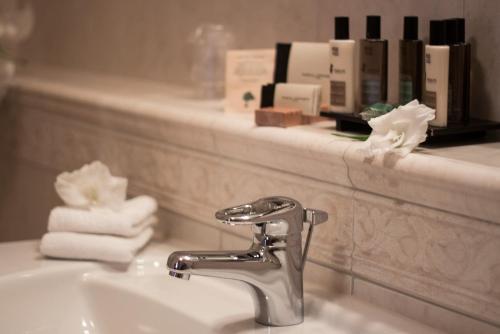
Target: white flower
[[400, 130], [91, 186]]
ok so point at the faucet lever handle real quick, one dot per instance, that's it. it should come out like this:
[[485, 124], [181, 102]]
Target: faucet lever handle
[[261, 211], [275, 209], [314, 216]]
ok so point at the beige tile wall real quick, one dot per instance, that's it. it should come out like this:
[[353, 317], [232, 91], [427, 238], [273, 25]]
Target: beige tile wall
[[149, 39], [485, 39], [26, 197]]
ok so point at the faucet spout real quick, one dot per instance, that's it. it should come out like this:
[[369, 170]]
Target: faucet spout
[[273, 275], [235, 265]]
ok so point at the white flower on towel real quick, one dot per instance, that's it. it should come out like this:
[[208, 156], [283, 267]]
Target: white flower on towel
[[400, 130], [91, 186]]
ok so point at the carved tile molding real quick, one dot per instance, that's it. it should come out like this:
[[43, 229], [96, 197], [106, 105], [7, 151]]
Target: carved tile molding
[[438, 241], [437, 256]]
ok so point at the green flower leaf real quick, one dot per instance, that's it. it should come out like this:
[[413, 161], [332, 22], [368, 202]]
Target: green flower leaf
[[351, 136]]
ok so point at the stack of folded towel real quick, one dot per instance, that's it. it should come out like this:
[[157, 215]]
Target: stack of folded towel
[[97, 223]]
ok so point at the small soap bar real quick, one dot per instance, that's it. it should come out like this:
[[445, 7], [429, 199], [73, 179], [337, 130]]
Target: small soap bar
[[278, 116], [306, 119]]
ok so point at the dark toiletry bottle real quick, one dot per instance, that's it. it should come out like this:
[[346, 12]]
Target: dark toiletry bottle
[[410, 62], [373, 59], [459, 72]]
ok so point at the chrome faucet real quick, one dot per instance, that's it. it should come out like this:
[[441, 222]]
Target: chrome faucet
[[272, 266]]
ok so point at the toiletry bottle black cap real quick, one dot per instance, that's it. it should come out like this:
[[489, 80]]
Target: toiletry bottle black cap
[[341, 27], [373, 27], [267, 95], [452, 34], [281, 62], [410, 31], [437, 34], [461, 30]]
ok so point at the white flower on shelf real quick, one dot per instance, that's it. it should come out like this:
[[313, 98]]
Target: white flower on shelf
[[91, 186], [399, 131]]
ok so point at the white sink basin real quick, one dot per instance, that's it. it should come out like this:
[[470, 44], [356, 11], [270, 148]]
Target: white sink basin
[[80, 297], [76, 301]]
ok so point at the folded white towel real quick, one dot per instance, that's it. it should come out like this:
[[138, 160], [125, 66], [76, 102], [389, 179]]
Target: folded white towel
[[82, 246], [134, 216]]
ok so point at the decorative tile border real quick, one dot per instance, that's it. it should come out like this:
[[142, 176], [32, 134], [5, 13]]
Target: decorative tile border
[[443, 258]]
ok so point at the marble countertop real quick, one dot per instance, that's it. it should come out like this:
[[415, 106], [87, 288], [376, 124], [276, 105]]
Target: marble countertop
[[463, 179]]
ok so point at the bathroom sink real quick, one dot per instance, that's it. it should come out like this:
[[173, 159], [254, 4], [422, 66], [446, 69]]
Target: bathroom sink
[[51, 296], [76, 300]]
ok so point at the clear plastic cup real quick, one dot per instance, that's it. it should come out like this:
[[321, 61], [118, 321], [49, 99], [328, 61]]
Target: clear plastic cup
[[210, 43]]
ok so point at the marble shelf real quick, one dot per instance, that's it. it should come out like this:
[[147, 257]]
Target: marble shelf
[[427, 226]]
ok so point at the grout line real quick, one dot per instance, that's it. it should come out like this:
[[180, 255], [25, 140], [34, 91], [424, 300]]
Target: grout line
[[352, 186], [354, 190], [353, 243]]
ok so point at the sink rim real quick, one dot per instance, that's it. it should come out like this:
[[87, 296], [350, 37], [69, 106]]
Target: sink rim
[[150, 265]]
